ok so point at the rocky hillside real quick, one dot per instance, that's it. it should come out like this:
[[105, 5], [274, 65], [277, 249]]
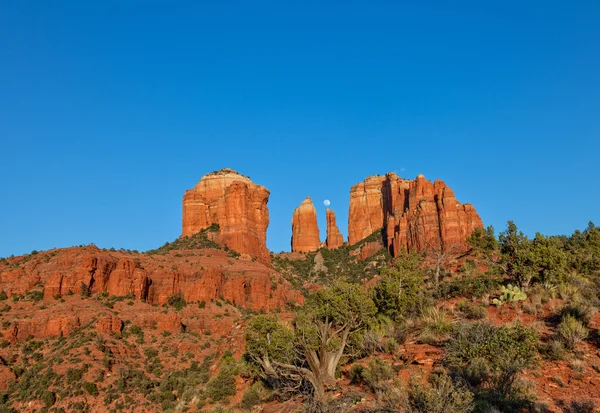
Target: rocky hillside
[[421, 311]]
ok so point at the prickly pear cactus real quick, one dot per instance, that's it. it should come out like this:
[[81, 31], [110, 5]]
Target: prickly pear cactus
[[510, 294]]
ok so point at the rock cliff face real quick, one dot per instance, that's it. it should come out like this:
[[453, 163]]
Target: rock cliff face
[[334, 236], [234, 202], [195, 275], [305, 231], [415, 215]]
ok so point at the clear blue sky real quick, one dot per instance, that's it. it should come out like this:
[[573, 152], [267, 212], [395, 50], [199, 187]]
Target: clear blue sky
[[110, 110]]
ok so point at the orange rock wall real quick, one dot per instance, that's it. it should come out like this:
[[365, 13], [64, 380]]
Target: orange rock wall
[[234, 202], [415, 215]]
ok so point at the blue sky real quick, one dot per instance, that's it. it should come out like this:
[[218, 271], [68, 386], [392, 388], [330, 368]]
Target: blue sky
[[110, 110]]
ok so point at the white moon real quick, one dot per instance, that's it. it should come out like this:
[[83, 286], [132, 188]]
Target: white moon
[[326, 202]]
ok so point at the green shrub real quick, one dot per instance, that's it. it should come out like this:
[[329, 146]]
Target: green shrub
[[578, 310], [472, 312], [468, 287], [48, 398], [554, 350], [176, 301], [490, 358], [378, 374], [355, 373], [571, 331], [91, 388], [220, 387], [3, 295], [442, 395], [436, 323], [399, 293], [586, 406], [74, 375], [251, 397]]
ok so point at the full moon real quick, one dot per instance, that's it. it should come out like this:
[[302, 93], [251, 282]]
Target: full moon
[[326, 202]]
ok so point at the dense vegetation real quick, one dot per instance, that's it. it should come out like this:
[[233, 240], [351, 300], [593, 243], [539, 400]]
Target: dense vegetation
[[483, 364]]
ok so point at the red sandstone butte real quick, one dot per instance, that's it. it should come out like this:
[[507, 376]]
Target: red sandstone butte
[[198, 275], [234, 202], [415, 215], [305, 231], [334, 236]]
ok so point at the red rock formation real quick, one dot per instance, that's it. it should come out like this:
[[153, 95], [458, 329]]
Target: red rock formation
[[109, 324], [334, 236], [366, 209], [196, 275], [234, 202], [305, 231], [416, 215]]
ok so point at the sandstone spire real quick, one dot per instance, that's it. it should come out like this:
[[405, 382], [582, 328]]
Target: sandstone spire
[[305, 231], [334, 236]]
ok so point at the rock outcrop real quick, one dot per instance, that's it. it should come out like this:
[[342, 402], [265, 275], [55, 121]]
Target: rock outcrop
[[305, 231], [234, 202], [415, 215], [198, 275], [334, 236]]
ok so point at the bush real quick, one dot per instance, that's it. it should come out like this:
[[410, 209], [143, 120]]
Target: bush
[[399, 293], [48, 398], [91, 388], [220, 387], [468, 287], [554, 350], [176, 301], [251, 398], [436, 324], [586, 406], [355, 373], [571, 331], [442, 395], [578, 310], [490, 358], [377, 375], [472, 312]]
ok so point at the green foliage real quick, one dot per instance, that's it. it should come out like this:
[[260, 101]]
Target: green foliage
[[490, 358], [471, 311], [48, 398], [468, 287], [571, 331], [378, 374], [584, 248], [441, 395], [483, 241], [543, 259], [436, 325], [399, 293], [251, 397], [342, 306], [220, 387], [515, 248], [3, 295], [200, 240], [355, 374], [510, 294], [91, 388], [176, 301], [266, 337]]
